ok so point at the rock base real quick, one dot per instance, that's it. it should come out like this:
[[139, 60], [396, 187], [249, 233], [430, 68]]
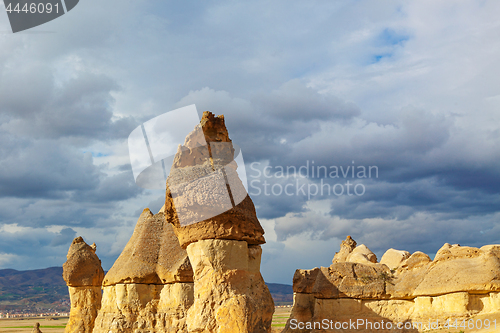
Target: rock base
[[144, 308], [424, 310], [85, 303], [230, 294]]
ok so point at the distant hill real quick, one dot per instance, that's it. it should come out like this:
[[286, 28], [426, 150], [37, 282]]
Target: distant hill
[[33, 291], [282, 293], [44, 289]]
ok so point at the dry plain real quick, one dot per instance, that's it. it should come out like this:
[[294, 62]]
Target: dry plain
[[280, 317], [47, 325]]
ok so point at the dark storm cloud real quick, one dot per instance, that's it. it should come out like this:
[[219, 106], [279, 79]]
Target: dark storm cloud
[[118, 187], [38, 213], [420, 168], [81, 107], [64, 237], [44, 168], [292, 112], [294, 102]]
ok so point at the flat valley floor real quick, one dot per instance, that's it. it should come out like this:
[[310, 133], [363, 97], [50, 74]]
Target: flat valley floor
[[280, 317]]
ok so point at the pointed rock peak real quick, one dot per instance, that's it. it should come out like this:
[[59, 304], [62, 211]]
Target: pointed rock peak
[[205, 198], [83, 267], [210, 129], [346, 247], [214, 128], [349, 243], [152, 255]]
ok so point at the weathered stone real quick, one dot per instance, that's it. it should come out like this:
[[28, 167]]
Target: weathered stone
[[362, 281], [238, 223], [393, 258], [85, 304], [343, 279], [416, 260], [448, 252], [83, 267], [304, 279], [83, 275], [361, 254], [459, 283], [150, 286], [229, 292], [205, 199], [206, 232], [477, 274], [151, 256], [346, 247], [145, 308]]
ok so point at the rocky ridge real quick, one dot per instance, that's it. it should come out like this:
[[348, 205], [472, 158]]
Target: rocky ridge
[[460, 282]]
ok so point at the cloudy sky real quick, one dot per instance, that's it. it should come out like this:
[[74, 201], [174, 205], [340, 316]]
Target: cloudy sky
[[409, 88]]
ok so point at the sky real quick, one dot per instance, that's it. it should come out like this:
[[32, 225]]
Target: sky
[[408, 90]]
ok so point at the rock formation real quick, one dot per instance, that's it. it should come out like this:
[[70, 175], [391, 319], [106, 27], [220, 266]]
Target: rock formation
[[205, 198], [150, 286], [194, 266], [83, 274], [460, 282], [36, 328], [215, 220]]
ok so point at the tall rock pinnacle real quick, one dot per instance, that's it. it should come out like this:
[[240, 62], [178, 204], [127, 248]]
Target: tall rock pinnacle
[[215, 220], [205, 198]]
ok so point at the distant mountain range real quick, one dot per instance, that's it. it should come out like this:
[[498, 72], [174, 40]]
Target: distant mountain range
[[44, 290]]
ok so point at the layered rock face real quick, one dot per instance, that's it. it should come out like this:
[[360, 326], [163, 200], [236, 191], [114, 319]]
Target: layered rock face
[[460, 282], [83, 274], [215, 220], [150, 286]]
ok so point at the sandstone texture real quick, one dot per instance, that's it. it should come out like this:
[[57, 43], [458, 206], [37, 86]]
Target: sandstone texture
[[230, 294], [215, 220], [459, 283], [145, 308], [151, 256], [85, 304], [83, 267], [192, 268], [346, 247], [150, 286], [83, 274], [393, 258], [205, 199]]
